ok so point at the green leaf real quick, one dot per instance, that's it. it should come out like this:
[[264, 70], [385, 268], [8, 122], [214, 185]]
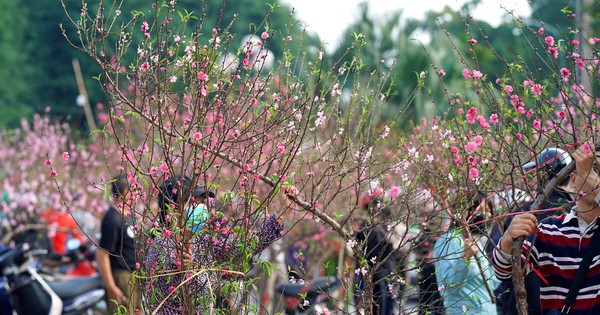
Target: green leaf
[[566, 10], [132, 113], [106, 192], [145, 182], [267, 266], [273, 5], [93, 132], [137, 13], [277, 189]]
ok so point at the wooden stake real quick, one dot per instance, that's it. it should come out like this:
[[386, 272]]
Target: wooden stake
[[82, 91]]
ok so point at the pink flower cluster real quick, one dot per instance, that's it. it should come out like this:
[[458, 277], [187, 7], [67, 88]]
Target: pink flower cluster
[[553, 50], [535, 88], [30, 192], [475, 74]]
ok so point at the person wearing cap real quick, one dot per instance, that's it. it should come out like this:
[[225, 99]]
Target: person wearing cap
[[555, 246], [548, 164], [167, 256]]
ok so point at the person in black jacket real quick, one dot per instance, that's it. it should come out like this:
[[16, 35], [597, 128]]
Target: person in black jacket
[[549, 163], [379, 252]]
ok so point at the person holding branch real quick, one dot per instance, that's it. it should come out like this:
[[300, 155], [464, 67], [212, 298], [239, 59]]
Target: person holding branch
[[546, 167], [562, 250], [463, 271]]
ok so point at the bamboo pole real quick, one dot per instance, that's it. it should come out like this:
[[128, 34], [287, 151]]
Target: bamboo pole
[[83, 92]]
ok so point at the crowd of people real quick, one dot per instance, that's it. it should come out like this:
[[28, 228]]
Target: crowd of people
[[462, 262], [167, 265]]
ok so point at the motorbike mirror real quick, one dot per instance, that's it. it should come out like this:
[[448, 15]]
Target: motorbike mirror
[[73, 244]]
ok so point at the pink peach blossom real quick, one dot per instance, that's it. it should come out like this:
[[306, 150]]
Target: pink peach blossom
[[197, 136], [466, 74], [395, 191], [473, 173]]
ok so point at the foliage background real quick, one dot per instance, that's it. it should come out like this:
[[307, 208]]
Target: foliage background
[[37, 62]]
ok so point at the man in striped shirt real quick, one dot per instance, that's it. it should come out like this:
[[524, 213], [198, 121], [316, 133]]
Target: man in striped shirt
[[557, 245]]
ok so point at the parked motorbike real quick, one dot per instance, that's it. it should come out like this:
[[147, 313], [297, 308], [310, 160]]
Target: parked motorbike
[[5, 307], [77, 261], [32, 293], [309, 297]]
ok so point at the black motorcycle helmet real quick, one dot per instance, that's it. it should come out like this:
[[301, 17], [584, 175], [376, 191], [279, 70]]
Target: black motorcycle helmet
[[551, 161]]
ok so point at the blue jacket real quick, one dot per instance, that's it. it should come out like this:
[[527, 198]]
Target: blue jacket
[[464, 290]]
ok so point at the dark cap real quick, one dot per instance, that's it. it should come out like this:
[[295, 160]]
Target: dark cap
[[201, 192]]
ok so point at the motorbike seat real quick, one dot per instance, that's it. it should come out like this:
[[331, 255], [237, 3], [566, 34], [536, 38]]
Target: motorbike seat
[[70, 288]]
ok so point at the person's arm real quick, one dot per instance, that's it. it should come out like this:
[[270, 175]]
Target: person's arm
[[112, 291], [522, 225], [588, 181], [108, 241], [451, 265]]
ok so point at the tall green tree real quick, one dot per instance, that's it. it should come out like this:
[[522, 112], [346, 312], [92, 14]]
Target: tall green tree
[[49, 64], [37, 69], [385, 42], [14, 91]]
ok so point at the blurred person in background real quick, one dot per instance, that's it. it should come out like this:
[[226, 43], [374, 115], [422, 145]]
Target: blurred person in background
[[463, 272], [429, 227], [116, 256], [61, 227], [378, 250]]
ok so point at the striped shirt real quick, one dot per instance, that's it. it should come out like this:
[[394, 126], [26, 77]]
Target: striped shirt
[[556, 252]]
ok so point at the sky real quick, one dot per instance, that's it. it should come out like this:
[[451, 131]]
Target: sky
[[328, 18]]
